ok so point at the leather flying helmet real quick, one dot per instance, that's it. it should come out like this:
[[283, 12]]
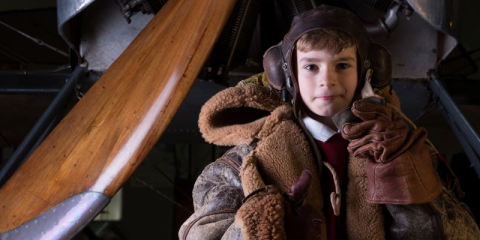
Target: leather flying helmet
[[278, 60]]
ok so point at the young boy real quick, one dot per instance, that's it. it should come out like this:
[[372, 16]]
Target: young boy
[[273, 184]]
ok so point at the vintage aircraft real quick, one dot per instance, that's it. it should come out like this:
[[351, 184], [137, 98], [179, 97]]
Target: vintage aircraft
[[129, 65]]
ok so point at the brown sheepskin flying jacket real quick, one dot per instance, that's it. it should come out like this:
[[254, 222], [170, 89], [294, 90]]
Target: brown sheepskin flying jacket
[[270, 153]]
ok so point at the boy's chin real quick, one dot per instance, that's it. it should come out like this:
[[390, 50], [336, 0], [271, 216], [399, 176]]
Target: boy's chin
[[320, 113]]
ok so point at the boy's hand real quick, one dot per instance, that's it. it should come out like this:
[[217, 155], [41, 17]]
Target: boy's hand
[[302, 221], [380, 134]]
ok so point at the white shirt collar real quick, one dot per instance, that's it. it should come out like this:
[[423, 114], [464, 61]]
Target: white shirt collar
[[318, 130]]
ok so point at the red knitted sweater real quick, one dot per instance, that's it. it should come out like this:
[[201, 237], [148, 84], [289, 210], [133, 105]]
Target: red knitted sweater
[[334, 151]]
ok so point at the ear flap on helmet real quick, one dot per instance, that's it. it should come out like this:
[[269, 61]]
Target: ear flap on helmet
[[272, 65], [381, 63]]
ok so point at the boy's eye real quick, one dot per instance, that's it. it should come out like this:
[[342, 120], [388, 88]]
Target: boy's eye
[[311, 67], [343, 66]]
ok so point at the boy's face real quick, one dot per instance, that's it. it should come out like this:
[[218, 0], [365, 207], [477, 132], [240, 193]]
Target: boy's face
[[327, 82]]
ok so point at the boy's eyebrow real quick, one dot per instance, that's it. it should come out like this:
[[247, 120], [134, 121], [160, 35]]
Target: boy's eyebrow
[[310, 59], [346, 59]]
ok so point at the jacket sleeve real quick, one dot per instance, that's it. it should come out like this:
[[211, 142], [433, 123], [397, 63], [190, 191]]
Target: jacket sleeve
[[445, 217], [217, 196]]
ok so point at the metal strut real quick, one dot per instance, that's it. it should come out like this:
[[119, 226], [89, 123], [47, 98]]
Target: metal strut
[[463, 130], [41, 126]]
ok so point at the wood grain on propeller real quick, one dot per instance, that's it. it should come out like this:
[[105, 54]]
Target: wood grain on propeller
[[99, 144]]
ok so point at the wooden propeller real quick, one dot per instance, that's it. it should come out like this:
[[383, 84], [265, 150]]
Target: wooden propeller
[[105, 137]]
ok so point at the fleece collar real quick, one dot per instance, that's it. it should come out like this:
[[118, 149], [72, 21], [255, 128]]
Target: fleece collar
[[318, 130]]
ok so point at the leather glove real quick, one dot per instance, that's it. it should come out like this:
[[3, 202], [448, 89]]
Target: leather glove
[[400, 170], [381, 132], [302, 221]]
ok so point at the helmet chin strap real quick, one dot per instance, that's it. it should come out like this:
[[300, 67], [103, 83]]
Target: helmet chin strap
[[288, 78]]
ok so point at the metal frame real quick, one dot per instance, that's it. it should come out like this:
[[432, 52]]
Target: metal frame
[[41, 126], [464, 131]]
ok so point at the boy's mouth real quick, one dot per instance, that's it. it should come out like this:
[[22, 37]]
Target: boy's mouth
[[327, 98]]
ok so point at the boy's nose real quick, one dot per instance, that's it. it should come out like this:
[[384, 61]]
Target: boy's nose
[[327, 78]]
